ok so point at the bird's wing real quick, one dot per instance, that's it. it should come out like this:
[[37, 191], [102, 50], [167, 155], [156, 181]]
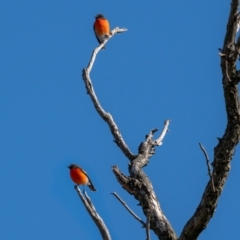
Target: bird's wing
[[90, 185], [85, 173]]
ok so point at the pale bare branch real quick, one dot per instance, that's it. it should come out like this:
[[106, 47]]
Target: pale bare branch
[[93, 213], [158, 141], [97, 49], [104, 115]]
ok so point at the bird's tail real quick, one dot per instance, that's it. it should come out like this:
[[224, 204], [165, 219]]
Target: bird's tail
[[90, 185]]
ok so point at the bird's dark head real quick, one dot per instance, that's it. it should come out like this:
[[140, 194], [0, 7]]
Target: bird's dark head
[[99, 16], [72, 166]]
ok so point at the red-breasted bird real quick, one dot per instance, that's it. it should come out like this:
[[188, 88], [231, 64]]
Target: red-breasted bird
[[80, 177], [101, 28]]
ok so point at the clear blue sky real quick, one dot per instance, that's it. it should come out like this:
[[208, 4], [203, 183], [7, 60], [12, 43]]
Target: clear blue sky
[[165, 66]]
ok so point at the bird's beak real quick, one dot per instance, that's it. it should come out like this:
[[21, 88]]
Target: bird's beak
[[68, 166]]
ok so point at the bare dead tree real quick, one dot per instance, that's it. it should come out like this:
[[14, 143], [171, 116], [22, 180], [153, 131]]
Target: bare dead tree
[[137, 182]]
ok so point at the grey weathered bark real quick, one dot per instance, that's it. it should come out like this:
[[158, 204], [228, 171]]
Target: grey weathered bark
[[225, 149], [138, 183]]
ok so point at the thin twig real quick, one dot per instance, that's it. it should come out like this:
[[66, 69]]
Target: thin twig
[[158, 141], [126, 206], [93, 213], [208, 165], [148, 225]]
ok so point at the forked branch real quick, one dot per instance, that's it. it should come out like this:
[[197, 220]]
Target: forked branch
[[93, 213], [208, 165], [139, 185], [225, 149]]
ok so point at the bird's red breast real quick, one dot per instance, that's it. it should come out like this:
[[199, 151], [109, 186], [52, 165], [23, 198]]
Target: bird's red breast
[[80, 177], [101, 28]]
